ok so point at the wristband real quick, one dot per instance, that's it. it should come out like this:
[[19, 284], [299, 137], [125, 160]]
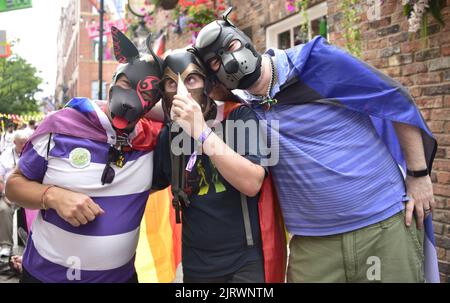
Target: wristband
[[417, 173], [204, 135], [44, 207]]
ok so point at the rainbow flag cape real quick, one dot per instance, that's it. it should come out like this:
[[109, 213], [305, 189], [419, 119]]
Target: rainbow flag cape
[[159, 249]]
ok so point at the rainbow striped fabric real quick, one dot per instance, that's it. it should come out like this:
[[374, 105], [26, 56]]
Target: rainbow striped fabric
[[159, 249]]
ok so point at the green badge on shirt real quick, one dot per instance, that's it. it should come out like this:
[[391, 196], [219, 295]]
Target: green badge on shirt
[[80, 157]]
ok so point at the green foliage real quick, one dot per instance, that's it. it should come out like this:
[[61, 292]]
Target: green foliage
[[424, 27], [435, 10], [435, 7], [407, 9], [351, 30], [303, 6], [177, 12], [200, 15], [18, 84]]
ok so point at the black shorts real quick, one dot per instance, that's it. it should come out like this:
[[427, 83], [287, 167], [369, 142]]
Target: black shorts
[[251, 272]]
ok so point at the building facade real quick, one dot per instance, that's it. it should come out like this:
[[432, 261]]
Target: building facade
[[77, 73], [420, 64]]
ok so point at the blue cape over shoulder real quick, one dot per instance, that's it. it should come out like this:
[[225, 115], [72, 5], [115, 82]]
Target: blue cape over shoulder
[[328, 74]]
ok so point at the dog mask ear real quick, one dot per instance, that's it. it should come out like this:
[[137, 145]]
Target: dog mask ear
[[124, 50], [148, 43]]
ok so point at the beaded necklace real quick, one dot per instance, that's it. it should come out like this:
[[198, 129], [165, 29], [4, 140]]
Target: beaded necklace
[[268, 101]]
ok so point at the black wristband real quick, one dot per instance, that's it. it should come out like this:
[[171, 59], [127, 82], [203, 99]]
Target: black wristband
[[417, 173]]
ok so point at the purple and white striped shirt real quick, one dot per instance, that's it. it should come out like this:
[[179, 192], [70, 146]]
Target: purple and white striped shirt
[[102, 250]]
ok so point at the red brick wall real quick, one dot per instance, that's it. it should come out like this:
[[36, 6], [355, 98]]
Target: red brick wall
[[81, 68], [422, 65], [254, 14], [88, 65], [67, 52]]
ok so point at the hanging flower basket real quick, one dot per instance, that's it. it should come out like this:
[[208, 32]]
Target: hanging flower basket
[[195, 14]]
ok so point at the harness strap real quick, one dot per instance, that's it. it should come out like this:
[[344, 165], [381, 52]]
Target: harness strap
[[247, 224]]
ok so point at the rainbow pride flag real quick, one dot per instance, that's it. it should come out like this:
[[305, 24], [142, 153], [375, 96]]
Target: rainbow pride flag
[[159, 249]]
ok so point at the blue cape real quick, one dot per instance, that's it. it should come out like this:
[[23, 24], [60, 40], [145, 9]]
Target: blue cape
[[328, 74]]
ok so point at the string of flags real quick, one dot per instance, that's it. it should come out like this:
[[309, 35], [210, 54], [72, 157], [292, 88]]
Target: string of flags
[[21, 118]]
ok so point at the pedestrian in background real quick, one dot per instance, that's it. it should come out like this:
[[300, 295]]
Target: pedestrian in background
[[7, 139], [8, 161]]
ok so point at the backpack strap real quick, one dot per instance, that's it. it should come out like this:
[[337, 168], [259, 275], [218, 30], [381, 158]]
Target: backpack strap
[[48, 144], [247, 224], [178, 181], [245, 212]]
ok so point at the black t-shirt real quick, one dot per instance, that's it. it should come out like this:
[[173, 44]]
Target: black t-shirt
[[213, 236]]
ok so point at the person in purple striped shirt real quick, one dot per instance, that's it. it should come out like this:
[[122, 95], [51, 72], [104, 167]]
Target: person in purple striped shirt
[[345, 136], [89, 170]]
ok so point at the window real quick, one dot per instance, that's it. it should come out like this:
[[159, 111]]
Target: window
[[94, 90], [107, 54], [284, 40], [289, 32]]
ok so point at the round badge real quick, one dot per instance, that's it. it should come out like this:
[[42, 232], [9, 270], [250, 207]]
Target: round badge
[[80, 157]]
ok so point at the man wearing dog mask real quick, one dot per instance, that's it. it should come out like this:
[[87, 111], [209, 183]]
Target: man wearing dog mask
[[89, 169], [216, 186], [325, 102]]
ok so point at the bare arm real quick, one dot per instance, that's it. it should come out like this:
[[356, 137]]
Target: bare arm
[[244, 175], [420, 190], [75, 208], [30, 198], [240, 172]]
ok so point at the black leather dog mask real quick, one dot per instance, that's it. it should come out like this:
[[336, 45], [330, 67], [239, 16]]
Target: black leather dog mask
[[144, 74], [240, 68], [184, 63]]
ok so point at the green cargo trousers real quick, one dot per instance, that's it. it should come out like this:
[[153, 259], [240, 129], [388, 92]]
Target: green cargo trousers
[[387, 251]]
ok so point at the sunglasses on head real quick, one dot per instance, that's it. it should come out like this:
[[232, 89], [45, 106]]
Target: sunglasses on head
[[114, 156]]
